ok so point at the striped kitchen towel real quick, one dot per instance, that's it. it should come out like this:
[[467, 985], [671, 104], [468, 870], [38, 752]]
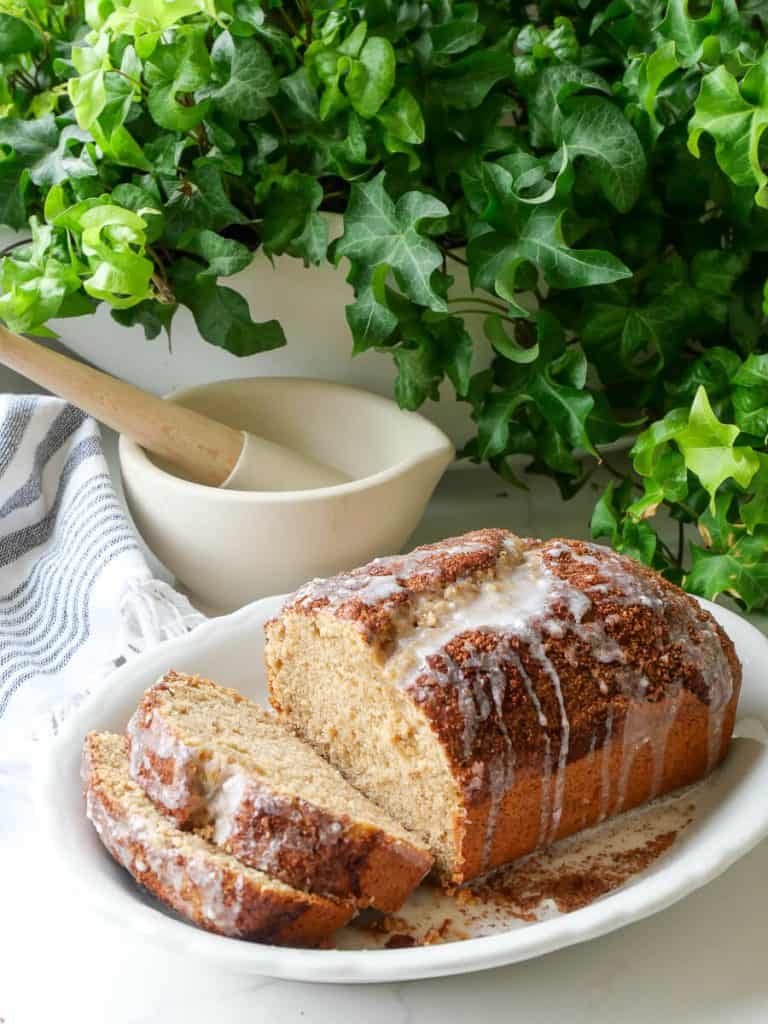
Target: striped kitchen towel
[[76, 594]]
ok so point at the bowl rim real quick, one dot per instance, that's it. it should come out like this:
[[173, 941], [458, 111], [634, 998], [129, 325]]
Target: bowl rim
[[133, 459]]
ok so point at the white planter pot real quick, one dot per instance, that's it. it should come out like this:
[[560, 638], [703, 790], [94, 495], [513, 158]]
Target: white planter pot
[[308, 302]]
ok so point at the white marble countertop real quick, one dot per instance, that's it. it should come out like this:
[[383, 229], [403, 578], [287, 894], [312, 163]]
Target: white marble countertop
[[703, 960]]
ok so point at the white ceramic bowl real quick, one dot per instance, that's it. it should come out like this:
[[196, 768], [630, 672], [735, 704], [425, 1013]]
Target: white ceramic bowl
[[229, 547], [728, 823]]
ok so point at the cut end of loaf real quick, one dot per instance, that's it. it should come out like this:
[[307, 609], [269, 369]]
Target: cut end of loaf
[[326, 682], [210, 757]]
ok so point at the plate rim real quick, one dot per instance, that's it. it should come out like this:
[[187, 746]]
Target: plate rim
[[606, 915]]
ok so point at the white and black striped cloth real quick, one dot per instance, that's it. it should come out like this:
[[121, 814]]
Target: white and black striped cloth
[[76, 593]]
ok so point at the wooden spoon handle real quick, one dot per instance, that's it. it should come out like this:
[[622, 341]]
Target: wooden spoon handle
[[204, 450]]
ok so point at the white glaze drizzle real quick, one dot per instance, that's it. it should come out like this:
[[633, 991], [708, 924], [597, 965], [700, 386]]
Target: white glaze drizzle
[[265, 849], [178, 865], [151, 739], [380, 580], [222, 790], [605, 767], [546, 778], [519, 605]]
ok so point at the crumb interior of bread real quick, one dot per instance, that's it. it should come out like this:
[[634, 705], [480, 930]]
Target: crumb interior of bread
[[223, 722], [110, 774], [329, 685]]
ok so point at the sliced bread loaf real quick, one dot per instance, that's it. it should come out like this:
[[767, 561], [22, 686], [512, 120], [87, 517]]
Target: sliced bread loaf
[[187, 872], [210, 757], [495, 693]]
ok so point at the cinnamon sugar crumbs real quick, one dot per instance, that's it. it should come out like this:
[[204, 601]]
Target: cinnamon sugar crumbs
[[444, 932], [380, 923], [568, 876], [402, 933], [524, 887]]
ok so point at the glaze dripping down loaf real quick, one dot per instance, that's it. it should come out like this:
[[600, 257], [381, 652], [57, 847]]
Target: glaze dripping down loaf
[[495, 693]]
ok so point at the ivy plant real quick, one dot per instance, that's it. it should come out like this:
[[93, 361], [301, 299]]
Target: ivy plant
[[597, 167]]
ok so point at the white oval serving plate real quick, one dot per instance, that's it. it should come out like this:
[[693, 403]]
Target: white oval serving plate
[[230, 650]]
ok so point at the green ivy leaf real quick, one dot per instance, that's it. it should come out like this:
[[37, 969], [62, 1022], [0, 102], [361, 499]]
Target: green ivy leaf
[[455, 348], [455, 36], [371, 77], [418, 375], [741, 571], [506, 346], [377, 230], [553, 86], [223, 256], [655, 68], [144, 17], [708, 448], [402, 117], [632, 341], [750, 396], [465, 83], [696, 38], [597, 130], [174, 72], [736, 124], [302, 95], [17, 36], [152, 315], [199, 200], [247, 75], [493, 424], [566, 406], [88, 95], [604, 521], [706, 445], [113, 241], [754, 509], [14, 180], [630, 537], [554, 385], [222, 315], [370, 319], [47, 153], [533, 232], [146, 204], [288, 211], [32, 294]]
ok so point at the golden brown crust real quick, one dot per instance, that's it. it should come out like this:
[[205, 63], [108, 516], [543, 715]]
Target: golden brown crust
[[198, 881], [586, 798], [312, 850], [592, 690]]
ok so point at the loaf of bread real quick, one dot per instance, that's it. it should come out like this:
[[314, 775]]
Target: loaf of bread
[[194, 877], [207, 756], [494, 693]]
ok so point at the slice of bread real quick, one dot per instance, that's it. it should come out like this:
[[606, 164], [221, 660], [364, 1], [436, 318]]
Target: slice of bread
[[190, 874], [211, 758]]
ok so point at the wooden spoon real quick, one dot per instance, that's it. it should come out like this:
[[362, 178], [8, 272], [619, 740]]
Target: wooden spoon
[[199, 448]]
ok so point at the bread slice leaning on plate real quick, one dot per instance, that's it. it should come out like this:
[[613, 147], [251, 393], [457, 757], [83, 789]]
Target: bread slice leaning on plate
[[188, 873]]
